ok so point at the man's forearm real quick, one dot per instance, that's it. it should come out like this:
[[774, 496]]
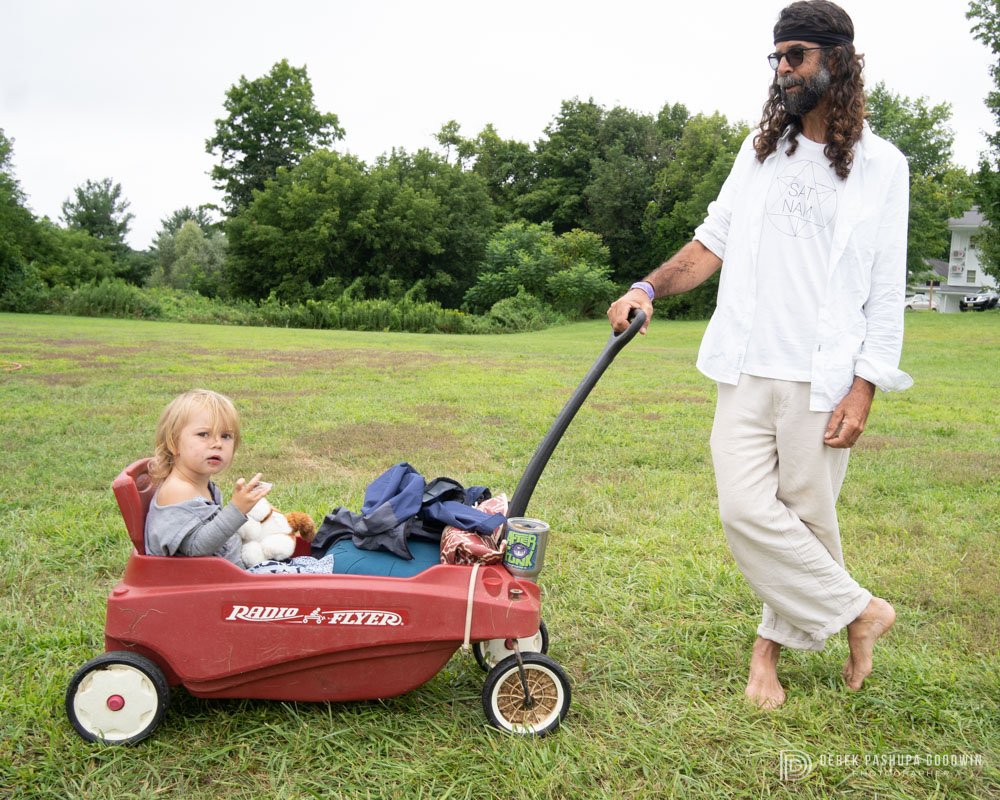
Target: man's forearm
[[689, 267]]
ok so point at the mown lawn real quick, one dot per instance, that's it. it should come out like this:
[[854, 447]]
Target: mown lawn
[[646, 610]]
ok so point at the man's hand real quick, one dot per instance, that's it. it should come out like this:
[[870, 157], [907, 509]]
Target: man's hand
[[848, 419], [620, 310]]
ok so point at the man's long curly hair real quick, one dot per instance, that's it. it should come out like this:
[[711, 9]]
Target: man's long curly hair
[[845, 97]]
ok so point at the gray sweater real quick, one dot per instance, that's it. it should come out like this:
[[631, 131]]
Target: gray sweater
[[196, 527]]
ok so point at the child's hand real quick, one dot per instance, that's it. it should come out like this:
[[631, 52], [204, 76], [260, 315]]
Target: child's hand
[[247, 493]]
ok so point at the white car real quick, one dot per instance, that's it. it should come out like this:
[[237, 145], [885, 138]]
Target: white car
[[920, 302]]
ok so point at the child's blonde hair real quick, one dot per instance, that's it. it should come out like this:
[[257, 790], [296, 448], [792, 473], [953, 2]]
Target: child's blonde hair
[[176, 415]]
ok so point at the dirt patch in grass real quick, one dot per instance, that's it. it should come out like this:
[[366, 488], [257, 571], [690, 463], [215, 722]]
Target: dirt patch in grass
[[439, 411], [89, 354], [957, 468], [58, 378], [638, 406], [384, 442], [876, 442], [333, 359]]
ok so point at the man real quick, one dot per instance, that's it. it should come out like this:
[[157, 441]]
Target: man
[[810, 232]]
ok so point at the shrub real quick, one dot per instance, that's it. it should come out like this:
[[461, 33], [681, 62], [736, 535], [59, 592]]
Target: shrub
[[115, 298], [112, 297], [25, 291], [523, 312], [569, 273]]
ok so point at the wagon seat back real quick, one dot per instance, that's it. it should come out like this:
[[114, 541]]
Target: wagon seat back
[[134, 490]]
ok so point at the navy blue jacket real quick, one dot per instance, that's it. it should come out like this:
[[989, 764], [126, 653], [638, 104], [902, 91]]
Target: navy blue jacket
[[400, 503]]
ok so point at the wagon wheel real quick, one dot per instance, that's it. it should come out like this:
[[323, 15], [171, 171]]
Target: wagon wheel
[[491, 652], [117, 698], [540, 712]]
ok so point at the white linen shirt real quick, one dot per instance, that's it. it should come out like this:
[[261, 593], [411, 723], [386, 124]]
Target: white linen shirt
[[859, 329]]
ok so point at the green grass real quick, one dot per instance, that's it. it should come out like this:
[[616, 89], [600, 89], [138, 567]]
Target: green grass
[[646, 609]]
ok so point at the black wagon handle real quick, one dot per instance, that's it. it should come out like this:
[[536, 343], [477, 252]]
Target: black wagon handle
[[616, 342]]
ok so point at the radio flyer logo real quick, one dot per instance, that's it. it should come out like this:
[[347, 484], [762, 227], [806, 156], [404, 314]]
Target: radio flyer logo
[[803, 201], [794, 765], [521, 548], [291, 615]]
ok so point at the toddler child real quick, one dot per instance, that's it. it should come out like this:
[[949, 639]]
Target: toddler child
[[196, 439]]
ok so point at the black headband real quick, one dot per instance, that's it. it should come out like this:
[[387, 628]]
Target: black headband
[[825, 38]]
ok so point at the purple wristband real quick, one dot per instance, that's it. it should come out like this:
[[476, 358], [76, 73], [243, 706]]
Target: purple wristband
[[646, 286]]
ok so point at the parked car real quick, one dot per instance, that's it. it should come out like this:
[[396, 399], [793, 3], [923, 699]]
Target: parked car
[[980, 301], [920, 302]]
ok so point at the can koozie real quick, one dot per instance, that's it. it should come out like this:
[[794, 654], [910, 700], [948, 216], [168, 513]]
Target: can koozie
[[525, 550]]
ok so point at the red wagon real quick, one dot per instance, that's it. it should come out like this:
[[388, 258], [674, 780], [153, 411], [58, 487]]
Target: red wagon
[[218, 631]]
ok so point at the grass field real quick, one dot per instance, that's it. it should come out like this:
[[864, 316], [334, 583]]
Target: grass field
[[645, 607]]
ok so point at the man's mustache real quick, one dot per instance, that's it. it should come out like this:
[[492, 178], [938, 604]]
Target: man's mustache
[[784, 81]]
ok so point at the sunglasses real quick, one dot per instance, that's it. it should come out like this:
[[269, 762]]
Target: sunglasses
[[794, 56]]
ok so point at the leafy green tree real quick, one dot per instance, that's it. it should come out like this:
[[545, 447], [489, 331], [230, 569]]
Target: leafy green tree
[[311, 223], [272, 122], [189, 258], [100, 209], [985, 15], [137, 266], [410, 219], [564, 166], [432, 223], [921, 131], [450, 138], [596, 169], [201, 216], [617, 197], [156, 266], [986, 28], [670, 122], [72, 256], [620, 186], [939, 190], [17, 225], [507, 167], [684, 187], [35, 254]]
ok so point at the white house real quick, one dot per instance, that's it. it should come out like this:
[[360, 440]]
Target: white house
[[965, 275]]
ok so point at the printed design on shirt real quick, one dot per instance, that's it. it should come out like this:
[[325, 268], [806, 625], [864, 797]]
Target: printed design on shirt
[[802, 201]]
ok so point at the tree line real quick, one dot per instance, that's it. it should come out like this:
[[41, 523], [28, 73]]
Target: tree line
[[482, 225]]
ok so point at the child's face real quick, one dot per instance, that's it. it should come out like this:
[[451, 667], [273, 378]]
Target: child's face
[[204, 447]]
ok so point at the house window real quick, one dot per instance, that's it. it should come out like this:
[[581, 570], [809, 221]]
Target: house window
[[970, 276]]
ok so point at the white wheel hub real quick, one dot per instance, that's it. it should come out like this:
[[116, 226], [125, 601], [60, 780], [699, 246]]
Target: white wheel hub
[[116, 702]]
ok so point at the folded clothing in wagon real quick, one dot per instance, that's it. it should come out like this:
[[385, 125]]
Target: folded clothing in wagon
[[401, 520]]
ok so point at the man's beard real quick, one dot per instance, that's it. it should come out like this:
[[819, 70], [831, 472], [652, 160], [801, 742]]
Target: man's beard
[[800, 103]]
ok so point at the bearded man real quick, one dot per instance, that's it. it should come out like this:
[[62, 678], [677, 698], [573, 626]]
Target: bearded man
[[809, 231]]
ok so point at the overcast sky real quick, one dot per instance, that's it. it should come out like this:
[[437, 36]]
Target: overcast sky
[[130, 89]]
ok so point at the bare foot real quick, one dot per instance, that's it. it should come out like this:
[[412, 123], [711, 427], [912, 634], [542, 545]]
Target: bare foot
[[763, 687], [873, 623]]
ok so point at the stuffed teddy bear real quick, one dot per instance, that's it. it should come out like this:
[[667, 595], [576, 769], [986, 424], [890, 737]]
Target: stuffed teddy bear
[[269, 535]]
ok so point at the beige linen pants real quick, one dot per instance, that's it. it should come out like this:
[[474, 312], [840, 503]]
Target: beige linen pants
[[778, 486]]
